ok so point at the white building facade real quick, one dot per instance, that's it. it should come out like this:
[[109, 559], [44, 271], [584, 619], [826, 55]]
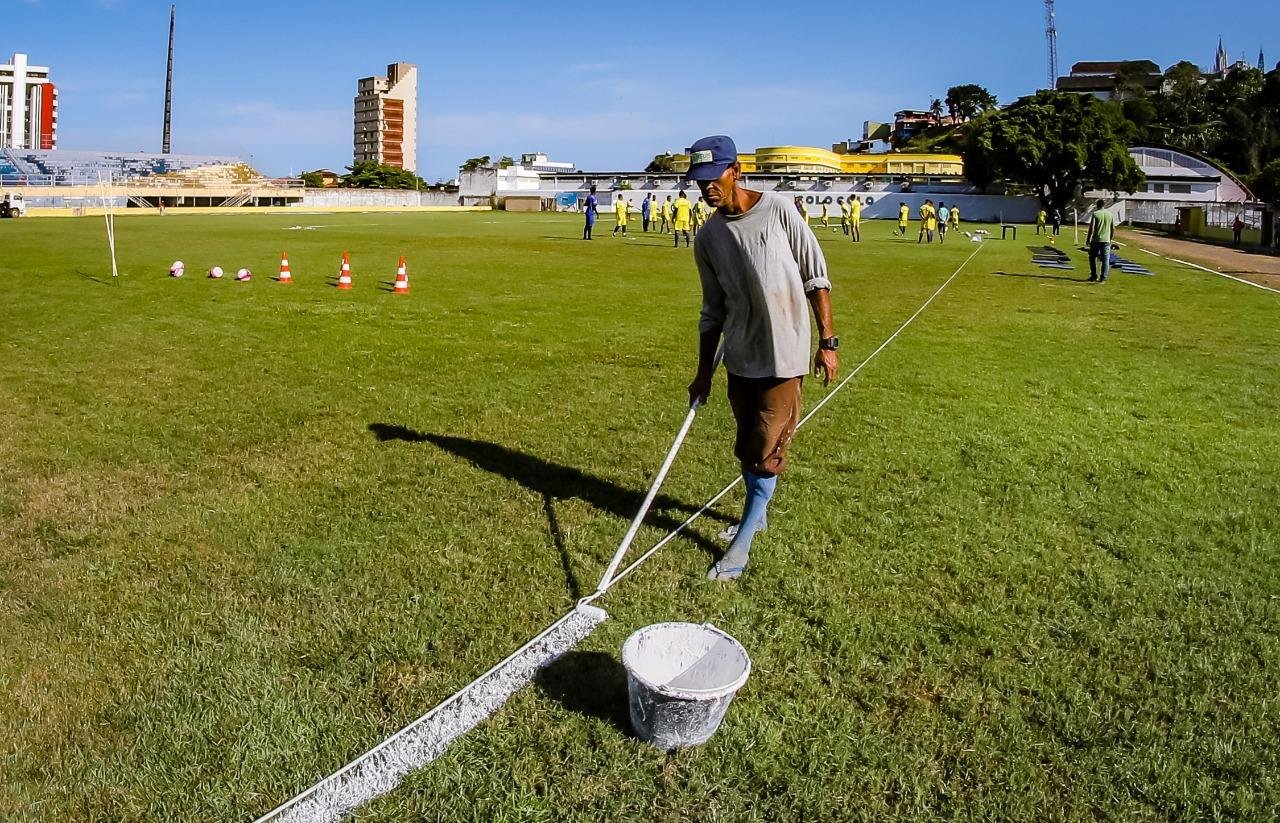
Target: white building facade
[[386, 118], [1176, 179], [28, 106]]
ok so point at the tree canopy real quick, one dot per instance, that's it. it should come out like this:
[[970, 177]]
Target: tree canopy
[[968, 101], [1056, 143], [475, 164], [1267, 183], [369, 174], [1235, 119], [661, 164]]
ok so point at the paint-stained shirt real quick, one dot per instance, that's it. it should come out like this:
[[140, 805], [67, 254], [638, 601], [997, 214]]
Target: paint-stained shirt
[[756, 268]]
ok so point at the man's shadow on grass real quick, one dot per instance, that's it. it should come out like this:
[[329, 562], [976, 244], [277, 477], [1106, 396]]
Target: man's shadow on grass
[[555, 482]]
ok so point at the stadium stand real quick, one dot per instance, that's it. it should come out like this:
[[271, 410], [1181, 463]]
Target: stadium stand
[[8, 166], [84, 167]]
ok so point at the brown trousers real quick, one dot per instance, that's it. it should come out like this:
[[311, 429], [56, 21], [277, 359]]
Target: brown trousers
[[767, 410]]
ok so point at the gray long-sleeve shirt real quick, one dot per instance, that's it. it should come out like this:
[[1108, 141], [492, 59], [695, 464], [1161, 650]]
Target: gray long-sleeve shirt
[[756, 268]]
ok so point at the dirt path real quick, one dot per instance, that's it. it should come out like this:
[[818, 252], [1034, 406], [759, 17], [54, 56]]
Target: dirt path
[[1263, 269]]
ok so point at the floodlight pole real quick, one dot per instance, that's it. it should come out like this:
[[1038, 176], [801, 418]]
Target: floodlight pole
[[165, 146]]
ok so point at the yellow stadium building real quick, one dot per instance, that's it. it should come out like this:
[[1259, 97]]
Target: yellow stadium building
[[812, 160]]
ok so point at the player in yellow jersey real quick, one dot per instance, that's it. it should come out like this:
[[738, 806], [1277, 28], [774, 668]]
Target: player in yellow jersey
[[666, 214], [855, 219], [844, 214], [904, 218], [1041, 216], [826, 215], [683, 210], [955, 217], [700, 214], [620, 209], [928, 222]]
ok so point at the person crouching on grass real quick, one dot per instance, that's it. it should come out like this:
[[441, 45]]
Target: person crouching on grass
[[759, 262]]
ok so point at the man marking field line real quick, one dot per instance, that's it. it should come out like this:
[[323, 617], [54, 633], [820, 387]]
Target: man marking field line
[[715, 499], [431, 735]]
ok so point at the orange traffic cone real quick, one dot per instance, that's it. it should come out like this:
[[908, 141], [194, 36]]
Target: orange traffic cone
[[402, 278], [286, 277], [344, 275]]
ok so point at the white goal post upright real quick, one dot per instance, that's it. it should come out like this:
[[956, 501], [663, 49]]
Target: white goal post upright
[[109, 216]]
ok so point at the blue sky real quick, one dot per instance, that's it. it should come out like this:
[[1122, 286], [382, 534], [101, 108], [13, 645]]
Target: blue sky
[[604, 85]]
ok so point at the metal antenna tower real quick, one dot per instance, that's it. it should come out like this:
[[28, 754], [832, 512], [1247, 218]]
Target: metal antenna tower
[[168, 87], [1051, 34]]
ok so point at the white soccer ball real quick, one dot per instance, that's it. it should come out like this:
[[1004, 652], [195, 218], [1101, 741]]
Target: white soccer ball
[[243, 275], [177, 269], [215, 272]]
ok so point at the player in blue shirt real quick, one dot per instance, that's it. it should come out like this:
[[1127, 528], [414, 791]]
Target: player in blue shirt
[[591, 214]]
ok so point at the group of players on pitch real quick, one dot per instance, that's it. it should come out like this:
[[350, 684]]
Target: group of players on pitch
[[677, 216], [934, 221]]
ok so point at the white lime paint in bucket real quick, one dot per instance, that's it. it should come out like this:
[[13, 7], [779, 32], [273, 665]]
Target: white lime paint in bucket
[[681, 678]]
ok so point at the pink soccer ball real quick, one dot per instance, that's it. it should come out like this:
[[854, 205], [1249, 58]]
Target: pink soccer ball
[[215, 272], [177, 269], [243, 275]]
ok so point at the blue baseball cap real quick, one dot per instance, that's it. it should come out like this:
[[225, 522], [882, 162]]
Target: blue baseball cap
[[710, 156]]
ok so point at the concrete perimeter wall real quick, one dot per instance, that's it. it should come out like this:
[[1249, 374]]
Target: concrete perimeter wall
[[348, 198]]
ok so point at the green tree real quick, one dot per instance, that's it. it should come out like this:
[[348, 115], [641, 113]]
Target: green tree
[[505, 161], [935, 108], [313, 180], [369, 174], [968, 101], [1266, 184], [662, 164], [1056, 143], [475, 164]]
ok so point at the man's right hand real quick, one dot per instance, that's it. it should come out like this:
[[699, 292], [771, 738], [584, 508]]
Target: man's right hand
[[700, 390]]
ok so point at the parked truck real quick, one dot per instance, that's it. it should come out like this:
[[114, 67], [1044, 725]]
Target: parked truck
[[12, 205]]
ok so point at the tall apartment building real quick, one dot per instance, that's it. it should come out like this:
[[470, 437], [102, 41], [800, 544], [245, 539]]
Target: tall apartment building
[[387, 118], [28, 106]]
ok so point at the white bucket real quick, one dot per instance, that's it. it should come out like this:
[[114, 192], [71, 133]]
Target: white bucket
[[681, 678]]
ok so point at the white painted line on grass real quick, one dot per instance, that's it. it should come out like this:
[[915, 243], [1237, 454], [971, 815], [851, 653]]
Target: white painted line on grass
[[1223, 274]]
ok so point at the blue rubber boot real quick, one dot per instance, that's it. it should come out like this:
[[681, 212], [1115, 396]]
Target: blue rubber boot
[[760, 490]]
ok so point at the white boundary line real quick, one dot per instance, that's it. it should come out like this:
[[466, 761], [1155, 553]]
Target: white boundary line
[[1212, 271], [417, 744]]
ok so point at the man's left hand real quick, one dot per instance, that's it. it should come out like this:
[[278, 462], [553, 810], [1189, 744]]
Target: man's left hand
[[825, 365]]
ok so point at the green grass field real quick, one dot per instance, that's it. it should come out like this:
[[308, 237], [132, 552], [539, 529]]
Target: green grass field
[[1024, 567]]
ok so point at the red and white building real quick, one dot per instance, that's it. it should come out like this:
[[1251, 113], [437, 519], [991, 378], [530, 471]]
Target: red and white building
[[28, 106]]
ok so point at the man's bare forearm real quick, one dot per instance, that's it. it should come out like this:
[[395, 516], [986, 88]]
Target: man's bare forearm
[[820, 300]]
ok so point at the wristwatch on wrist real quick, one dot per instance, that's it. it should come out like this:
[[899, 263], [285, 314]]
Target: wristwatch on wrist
[[829, 343]]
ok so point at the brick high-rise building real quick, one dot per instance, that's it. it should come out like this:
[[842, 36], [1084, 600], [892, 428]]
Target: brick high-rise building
[[387, 118], [28, 106]]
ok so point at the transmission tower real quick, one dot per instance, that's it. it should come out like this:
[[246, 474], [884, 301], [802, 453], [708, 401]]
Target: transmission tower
[[1051, 34]]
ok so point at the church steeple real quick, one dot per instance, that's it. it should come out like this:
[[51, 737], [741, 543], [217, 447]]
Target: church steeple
[[1221, 60]]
